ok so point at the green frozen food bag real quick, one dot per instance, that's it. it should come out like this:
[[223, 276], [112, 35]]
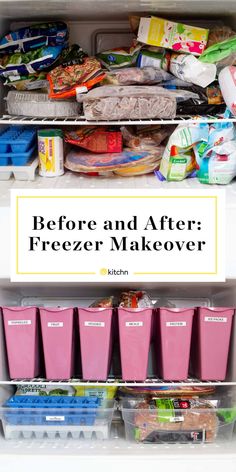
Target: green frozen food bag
[[219, 51]]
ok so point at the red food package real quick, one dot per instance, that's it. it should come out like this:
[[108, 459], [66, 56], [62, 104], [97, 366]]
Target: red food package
[[95, 139]]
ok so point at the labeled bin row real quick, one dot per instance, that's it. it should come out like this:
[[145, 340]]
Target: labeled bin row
[[185, 340]]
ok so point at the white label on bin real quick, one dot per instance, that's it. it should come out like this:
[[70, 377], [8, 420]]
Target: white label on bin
[[176, 419], [216, 319], [55, 324], [19, 322], [171, 324], [55, 418], [134, 323], [95, 324]]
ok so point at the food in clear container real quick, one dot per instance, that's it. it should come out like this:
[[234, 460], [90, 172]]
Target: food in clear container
[[175, 420]]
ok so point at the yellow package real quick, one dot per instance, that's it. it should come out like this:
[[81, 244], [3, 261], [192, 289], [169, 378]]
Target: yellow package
[[104, 393]]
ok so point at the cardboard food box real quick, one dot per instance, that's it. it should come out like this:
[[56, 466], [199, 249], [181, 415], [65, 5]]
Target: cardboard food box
[[176, 36]]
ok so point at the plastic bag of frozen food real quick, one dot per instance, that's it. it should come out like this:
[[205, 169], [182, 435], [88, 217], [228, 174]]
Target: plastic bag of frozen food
[[103, 303], [145, 137], [18, 64], [178, 160], [95, 138], [166, 391], [131, 102], [120, 57], [33, 37], [31, 82], [216, 158], [135, 75], [65, 81], [218, 34], [219, 51], [104, 393], [135, 299]]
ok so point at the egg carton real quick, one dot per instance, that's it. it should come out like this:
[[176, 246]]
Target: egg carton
[[97, 431], [25, 172]]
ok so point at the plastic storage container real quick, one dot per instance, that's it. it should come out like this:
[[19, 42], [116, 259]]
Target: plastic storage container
[[38, 105], [157, 426], [35, 416], [174, 341], [210, 344], [95, 327], [22, 341], [135, 335], [58, 342]]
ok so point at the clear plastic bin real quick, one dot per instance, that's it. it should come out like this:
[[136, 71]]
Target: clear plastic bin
[[69, 419], [135, 335], [173, 342], [210, 343], [22, 341], [95, 327], [58, 342], [191, 426]]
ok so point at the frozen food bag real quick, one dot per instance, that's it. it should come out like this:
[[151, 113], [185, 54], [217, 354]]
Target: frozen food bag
[[103, 303], [135, 299], [178, 160], [145, 137], [219, 51], [218, 34], [120, 57], [96, 139], [30, 62], [135, 75], [190, 69], [104, 393], [64, 81], [34, 37], [227, 81]]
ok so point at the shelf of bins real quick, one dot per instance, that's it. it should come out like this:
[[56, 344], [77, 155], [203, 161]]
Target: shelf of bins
[[80, 120], [114, 382]]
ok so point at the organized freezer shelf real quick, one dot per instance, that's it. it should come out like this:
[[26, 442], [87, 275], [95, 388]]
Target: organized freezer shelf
[[118, 347]]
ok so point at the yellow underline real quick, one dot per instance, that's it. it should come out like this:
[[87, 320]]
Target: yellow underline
[[57, 273], [175, 273]]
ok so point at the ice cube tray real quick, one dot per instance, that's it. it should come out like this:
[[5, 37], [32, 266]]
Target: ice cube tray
[[20, 172], [16, 159], [17, 139], [97, 431], [58, 410]]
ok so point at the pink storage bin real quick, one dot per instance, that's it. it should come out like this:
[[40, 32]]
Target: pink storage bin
[[95, 328], [135, 335], [58, 342], [173, 345], [22, 341], [211, 340]]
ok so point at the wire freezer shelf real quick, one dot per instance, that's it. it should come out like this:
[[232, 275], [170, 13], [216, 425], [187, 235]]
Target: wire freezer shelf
[[80, 120]]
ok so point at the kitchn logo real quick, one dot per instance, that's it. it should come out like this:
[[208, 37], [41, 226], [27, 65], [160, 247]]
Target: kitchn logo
[[117, 272]]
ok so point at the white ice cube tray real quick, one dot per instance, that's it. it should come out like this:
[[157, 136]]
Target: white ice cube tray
[[97, 431], [26, 172]]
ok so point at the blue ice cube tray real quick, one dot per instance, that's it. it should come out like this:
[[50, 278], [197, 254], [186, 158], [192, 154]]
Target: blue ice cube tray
[[17, 139], [30, 410], [16, 159]]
